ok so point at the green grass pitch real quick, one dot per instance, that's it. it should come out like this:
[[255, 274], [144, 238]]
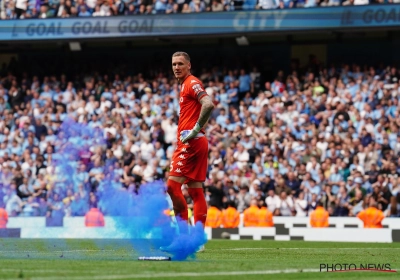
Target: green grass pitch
[[223, 259]]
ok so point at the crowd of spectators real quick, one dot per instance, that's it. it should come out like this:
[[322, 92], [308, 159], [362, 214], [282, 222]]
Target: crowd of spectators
[[13, 9], [329, 134]]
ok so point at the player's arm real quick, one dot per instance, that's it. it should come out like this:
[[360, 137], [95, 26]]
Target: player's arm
[[206, 109]]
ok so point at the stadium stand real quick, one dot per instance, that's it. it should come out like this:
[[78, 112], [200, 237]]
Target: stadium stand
[[324, 134], [21, 9]]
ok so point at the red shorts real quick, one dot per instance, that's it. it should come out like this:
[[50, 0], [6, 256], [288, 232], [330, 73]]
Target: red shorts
[[190, 160]]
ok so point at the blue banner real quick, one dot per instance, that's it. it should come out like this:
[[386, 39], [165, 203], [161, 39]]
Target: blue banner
[[201, 23]]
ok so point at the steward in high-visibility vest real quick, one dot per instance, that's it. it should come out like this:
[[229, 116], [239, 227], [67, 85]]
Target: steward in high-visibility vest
[[265, 217], [214, 217], [230, 216], [372, 216], [250, 215], [94, 218], [319, 217], [3, 218]]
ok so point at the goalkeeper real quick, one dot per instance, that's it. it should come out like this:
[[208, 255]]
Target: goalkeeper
[[189, 161]]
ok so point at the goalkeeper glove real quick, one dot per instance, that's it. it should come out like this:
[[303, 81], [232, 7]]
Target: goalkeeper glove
[[190, 134]]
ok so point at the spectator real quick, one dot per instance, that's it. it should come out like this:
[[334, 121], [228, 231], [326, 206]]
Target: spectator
[[231, 197], [217, 6], [119, 7], [12, 201], [232, 95], [56, 209], [172, 7], [293, 183], [216, 194], [244, 199], [284, 4], [356, 203], [30, 207], [241, 156], [84, 12], [249, 4], [105, 9], [301, 205], [273, 201], [393, 209], [245, 84], [160, 6], [44, 12], [78, 206], [286, 205], [267, 4], [186, 9], [309, 4], [342, 203], [20, 7]]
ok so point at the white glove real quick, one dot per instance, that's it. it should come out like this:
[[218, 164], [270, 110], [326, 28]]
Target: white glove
[[189, 134]]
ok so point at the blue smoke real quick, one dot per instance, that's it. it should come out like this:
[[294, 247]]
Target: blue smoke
[[138, 212]]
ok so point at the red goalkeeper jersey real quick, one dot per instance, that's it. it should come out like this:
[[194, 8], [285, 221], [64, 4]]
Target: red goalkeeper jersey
[[190, 106]]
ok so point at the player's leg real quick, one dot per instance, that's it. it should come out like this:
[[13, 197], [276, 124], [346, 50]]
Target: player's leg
[[174, 185], [191, 162], [196, 192], [175, 181], [198, 176]]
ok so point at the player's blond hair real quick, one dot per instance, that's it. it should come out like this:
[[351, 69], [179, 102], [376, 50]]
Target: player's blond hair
[[184, 54]]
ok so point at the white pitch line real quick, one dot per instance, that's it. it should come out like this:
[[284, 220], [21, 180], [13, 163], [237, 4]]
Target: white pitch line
[[38, 270], [60, 251], [171, 275], [182, 274], [226, 249], [242, 249]]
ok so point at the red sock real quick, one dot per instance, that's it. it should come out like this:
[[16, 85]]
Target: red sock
[[200, 205], [179, 202]]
